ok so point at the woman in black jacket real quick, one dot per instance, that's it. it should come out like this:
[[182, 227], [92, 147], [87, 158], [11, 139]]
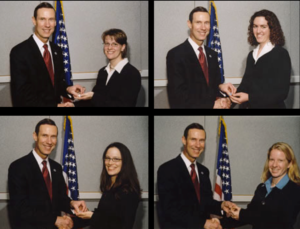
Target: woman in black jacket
[[120, 191], [266, 80], [276, 202]]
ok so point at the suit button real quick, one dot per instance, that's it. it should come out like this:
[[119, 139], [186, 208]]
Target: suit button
[[263, 202]]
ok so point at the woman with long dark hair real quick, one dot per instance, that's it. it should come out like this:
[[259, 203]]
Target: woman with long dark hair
[[120, 191]]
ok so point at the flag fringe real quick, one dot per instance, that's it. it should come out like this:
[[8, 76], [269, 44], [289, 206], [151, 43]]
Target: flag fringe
[[212, 2]]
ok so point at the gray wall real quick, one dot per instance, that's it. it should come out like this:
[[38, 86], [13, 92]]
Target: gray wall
[[85, 23], [233, 16], [91, 136], [249, 139]]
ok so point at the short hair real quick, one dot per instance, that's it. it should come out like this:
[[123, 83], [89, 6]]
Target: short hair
[[42, 5], [46, 121], [293, 171], [127, 179], [197, 9], [193, 126], [119, 36], [276, 33]]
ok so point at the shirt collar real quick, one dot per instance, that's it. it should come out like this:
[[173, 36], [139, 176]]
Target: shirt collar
[[119, 66], [196, 46], [187, 162], [281, 184], [38, 158], [267, 48], [39, 42]]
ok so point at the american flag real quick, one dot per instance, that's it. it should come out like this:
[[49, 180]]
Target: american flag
[[60, 38], [69, 161], [214, 41], [223, 189]]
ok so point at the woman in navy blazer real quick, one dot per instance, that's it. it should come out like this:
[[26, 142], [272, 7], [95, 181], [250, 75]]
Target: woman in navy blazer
[[276, 202], [119, 83], [266, 81]]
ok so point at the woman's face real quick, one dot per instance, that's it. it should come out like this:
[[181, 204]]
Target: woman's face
[[261, 30], [278, 164], [113, 162], [112, 49]]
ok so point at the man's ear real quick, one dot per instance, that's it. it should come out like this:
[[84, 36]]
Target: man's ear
[[189, 24], [183, 140], [34, 21], [34, 136]]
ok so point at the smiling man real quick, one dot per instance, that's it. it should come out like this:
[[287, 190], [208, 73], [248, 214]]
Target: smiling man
[[37, 69], [193, 71], [36, 185], [184, 187]]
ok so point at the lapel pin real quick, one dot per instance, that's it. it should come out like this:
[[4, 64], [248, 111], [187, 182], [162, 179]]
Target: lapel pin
[[202, 173], [55, 53], [209, 56], [54, 170]]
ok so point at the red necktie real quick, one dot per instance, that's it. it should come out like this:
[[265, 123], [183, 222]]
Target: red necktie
[[195, 181], [47, 178], [48, 62], [202, 61]]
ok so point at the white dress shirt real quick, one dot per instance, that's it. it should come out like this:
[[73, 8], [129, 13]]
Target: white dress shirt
[[196, 47], [118, 68], [40, 44], [40, 162], [188, 163], [267, 48]]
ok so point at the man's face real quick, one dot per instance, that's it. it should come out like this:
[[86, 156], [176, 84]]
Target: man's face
[[194, 144], [199, 27], [44, 24], [46, 140]]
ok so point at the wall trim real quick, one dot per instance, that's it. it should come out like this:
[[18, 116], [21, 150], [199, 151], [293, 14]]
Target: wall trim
[[235, 198], [82, 195], [233, 80], [79, 76]]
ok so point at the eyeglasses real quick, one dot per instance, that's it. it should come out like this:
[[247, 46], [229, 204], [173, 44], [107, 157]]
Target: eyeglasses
[[114, 45], [107, 159]]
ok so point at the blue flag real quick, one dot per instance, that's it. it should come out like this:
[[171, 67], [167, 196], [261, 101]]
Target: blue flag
[[223, 190], [60, 38], [214, 41], [69, 161]]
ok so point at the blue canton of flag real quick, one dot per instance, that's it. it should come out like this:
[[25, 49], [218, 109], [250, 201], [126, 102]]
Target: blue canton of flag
[[69, 161], [61, 39], [214, 41], [223, 189]]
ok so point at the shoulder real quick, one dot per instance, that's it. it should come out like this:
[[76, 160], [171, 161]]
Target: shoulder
[[20, 163], [281, 52], [20, 47], [167, 165], [179, 48], [128, 68]]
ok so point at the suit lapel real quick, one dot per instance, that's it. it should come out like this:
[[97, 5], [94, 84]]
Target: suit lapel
[[39, 60], [55, 61], [54, 174]]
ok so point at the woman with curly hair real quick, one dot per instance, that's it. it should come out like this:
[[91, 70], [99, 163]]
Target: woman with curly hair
[[267, 77], [276, 202], [120, 189]]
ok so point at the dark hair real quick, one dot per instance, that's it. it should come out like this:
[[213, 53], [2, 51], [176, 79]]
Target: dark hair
[[276, 33], [42, 5], [46, 121], [119, 36], [197, 9], [127, 179], [192, 126]]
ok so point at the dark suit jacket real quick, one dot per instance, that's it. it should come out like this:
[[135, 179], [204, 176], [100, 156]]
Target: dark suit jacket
[[268, 81], [278, 210], [30, 205], [31, 85], [122, 89], [178, 203], [187, 87]]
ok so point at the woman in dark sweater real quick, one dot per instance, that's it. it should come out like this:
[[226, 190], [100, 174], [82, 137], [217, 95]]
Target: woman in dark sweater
[[118, 83], [120, 191], [276, 202], [267, 77]]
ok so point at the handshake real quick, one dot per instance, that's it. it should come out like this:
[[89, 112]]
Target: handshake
[[231, 209]]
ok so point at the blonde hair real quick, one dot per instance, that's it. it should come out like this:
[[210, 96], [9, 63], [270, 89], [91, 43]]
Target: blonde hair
[[293, 170]]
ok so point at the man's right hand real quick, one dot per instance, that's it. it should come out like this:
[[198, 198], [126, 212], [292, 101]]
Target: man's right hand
[[212, 224], [64, 222], [222, 103], [65, 105]]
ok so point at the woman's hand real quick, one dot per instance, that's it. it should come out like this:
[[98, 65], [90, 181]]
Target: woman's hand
[[239, 98], [85, 215], [228, 88], [86, 96]]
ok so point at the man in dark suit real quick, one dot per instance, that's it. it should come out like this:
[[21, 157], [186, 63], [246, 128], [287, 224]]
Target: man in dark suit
[[184, 188], [37, 71], [194, 77], [36, 186]]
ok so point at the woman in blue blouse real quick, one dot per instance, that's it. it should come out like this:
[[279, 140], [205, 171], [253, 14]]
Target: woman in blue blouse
[[276, 202]]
